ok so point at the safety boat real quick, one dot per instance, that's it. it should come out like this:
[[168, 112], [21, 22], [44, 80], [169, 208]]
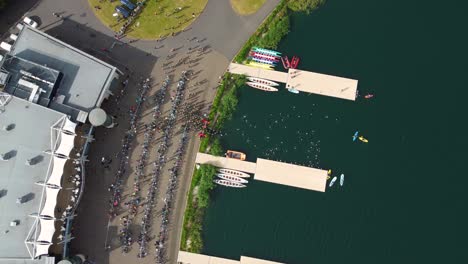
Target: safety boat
[[292, 90], [341, 179], [368, 96], [231, 178], [355, 135], [235, 155], [234, 173], [285, 62], [262, 87], [229, 183], [294, 62], [332, 181], [363, 139], [262, 81]]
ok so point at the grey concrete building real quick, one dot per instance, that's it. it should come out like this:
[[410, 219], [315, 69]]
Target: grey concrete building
[[42, 69], [28, 134], [47, 87]]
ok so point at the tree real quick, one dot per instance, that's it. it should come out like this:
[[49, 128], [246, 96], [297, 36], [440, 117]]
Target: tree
[[304, 5]]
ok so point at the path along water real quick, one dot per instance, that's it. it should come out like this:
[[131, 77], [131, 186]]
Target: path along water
[[403, 200]]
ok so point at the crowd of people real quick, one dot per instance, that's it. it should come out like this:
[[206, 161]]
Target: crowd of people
[[133, 15], [135, 198], [150, 198], [116, 187], [144, 238], [169, 198]]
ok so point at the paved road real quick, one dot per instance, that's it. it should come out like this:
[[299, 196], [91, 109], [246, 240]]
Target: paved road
[[223, 33]]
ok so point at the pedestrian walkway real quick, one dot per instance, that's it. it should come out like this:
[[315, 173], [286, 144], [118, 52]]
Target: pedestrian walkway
[[303, 81]]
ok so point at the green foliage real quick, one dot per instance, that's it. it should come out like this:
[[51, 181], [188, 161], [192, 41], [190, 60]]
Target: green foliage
[[193, 218], [229, 101], [219, 95], [304, 5], [278, 29], [208, 173], [204, 143], [279, 12], [216, 148], [227, 107]]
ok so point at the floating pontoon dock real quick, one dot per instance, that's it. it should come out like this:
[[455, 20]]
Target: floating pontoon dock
[[193, 258], [227, 163], [303, 81], [272, 171]]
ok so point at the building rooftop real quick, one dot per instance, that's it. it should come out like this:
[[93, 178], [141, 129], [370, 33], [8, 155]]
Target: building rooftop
[[70, 79], [25, 132]]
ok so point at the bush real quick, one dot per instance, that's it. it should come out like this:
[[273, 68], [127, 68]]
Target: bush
[[216, 148], [193, 219], [204, 143], [304, 5], [208, 173]]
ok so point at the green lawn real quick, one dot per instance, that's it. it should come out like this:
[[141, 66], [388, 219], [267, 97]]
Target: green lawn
[[159, 17], [246, 7]]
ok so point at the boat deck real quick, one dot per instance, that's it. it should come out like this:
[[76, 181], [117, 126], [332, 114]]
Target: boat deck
[[228, 163], [272, 75], [273, 171], [316, 83], [303, 81], [193, 258], [291, 175]]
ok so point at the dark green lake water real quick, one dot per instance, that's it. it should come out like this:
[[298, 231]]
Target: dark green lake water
[[404, 197]]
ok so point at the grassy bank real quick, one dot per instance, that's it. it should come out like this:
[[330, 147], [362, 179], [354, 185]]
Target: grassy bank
[[158, 18], [198, 200], [246, 7], [268, 35]]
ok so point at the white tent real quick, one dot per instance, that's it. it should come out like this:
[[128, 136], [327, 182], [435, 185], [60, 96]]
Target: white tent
[[67, 142], [41, 249], [50, 202], [69, 126], [47, 230], [57, 171]]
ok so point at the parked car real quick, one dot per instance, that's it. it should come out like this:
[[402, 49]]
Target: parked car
[[28, 21]]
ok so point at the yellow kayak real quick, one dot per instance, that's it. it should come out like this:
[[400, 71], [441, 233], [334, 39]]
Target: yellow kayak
[[363, 139], [260, 65], [329, 172]]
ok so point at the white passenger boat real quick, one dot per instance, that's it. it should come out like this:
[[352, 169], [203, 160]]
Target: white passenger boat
[[292, 90], [341, 179], [231, 178], [262, 81], [234, 173], [229, 183], [262, 87], [332, 181]]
